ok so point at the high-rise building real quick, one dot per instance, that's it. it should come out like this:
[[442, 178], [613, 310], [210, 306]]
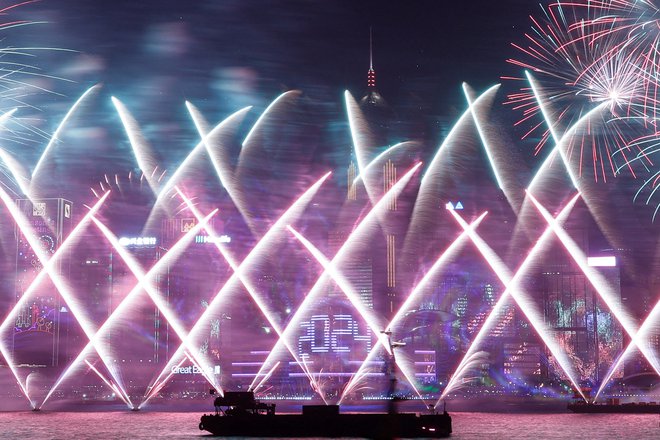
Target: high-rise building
[[37, 333], [91, 278], [582, 324], [379, 117], [358, 269]]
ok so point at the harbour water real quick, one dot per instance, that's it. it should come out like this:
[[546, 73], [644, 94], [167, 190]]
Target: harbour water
[[170, 425]]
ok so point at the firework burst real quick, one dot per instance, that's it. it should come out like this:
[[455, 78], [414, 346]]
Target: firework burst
[[637, 24], [20, 81], [580, 61]]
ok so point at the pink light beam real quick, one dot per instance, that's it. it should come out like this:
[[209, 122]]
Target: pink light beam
[[94, 338], [604, 289], [641, 337], [345, 249], [145, 281], [523, 301], [536, 250], [268, 240], [412, 298], [48, 269], [252, 291]]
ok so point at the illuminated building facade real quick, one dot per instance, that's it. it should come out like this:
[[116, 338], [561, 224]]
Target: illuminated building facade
[[585, 329], [37, 332], [521, 360]]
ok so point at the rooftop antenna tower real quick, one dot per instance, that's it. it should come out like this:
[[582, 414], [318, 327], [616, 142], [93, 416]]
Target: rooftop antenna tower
[[371, 74]]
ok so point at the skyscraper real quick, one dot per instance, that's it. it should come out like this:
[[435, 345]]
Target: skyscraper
[[36, 338], [379, 117]]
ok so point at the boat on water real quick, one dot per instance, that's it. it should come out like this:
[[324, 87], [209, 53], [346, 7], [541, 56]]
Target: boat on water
[[615, 406], [240, 414]]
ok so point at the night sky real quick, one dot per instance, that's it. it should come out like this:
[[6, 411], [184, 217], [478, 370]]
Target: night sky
[[198, 49], [225, 55]]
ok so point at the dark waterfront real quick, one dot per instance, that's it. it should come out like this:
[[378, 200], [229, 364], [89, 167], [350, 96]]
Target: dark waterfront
[[148, 425]]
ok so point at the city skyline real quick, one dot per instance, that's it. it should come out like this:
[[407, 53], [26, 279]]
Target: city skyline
[[162, 178]]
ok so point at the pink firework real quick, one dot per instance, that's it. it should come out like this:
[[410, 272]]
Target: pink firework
[[636, 25], [577, 61]]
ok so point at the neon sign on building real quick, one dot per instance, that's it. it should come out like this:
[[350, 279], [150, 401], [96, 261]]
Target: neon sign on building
[[201, 239], [137, 241], [194, 369], [601, 261]]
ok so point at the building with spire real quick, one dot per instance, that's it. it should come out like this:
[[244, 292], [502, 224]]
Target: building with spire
[[375, 136], [374, 107]]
